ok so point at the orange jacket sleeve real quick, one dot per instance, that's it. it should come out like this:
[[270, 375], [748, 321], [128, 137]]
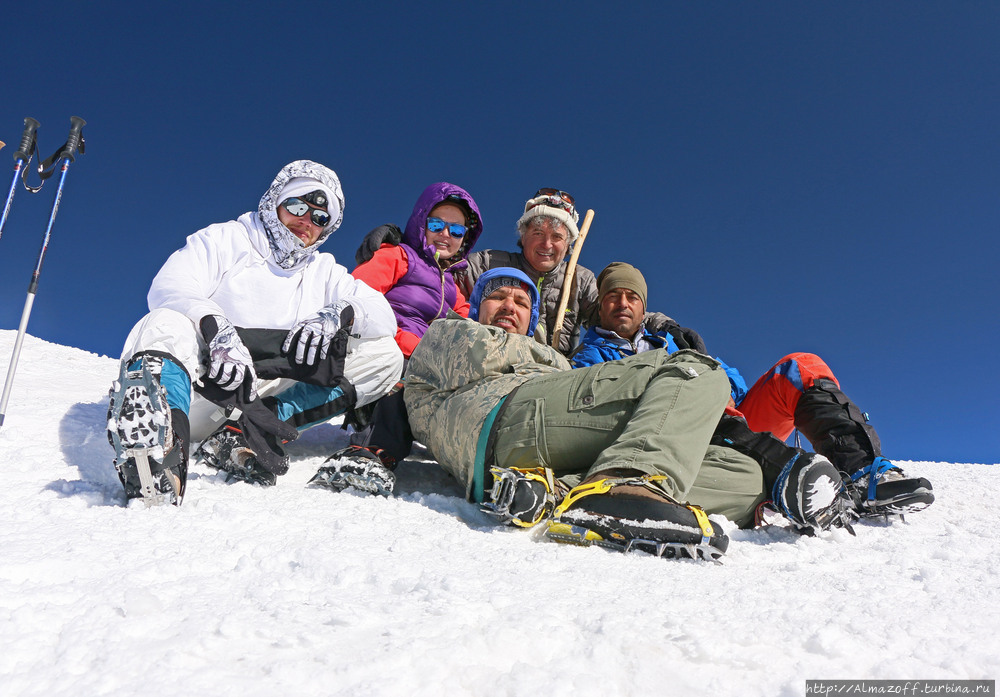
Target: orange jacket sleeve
[[407, 341], [384, 269], [461, 304]]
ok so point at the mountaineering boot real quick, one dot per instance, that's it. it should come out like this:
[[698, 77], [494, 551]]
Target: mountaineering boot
[[359, 467], [227, 451], [523, 496], [838, 429], [150, 439], [881, 488], [630, 512], [810, 493]]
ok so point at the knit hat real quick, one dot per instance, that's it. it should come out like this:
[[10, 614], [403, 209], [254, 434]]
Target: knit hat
[[618, 274], [539, 205], [502, 282]]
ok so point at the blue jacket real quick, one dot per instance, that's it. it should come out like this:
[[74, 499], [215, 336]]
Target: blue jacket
[[595, 348]]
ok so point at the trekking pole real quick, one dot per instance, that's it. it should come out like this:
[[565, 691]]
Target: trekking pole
[[567, 281], [21, 159], [66, 154]]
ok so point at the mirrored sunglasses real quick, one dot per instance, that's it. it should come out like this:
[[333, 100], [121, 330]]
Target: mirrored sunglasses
[[298, 207], [438, 225]]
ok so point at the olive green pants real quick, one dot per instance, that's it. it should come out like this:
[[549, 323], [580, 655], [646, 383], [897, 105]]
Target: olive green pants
[[653, 412]]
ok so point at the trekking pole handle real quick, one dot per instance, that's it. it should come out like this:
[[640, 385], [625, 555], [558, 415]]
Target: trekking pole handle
[[27, 140], [75, 139]]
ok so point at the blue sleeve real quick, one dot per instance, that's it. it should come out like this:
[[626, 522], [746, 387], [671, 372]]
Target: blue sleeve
[[670, 344], [738, 386], [593, 350], [587, 355]]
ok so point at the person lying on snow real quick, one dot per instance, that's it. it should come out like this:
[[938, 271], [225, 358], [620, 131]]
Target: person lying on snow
[[252, 335], [613, 454], [798, 392]]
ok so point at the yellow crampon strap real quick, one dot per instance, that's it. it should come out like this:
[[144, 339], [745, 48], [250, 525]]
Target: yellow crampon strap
[[603, 486], [538, 474], [546, 477], [704, 523]]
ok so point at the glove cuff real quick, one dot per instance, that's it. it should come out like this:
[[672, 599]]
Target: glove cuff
[[211, 325], [347, 317]]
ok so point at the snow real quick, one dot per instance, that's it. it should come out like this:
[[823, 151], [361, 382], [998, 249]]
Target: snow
[[290, 590]]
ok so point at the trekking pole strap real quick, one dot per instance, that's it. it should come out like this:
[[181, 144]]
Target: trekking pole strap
[[67, 151]]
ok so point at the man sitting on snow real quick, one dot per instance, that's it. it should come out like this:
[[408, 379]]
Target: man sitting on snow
[[798, 392], [613, 454], [322, 344]]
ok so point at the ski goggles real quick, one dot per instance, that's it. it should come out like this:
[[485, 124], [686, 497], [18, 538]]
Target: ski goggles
[[438, 225], [556, 198], [298, 207]]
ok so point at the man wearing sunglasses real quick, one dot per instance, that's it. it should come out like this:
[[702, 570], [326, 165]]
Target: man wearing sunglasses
[[252, 335]]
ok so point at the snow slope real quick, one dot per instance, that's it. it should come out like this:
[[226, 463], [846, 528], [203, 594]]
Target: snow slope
[[294, 591]]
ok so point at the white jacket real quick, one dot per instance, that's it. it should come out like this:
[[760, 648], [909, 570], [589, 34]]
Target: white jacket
[[228, 269]]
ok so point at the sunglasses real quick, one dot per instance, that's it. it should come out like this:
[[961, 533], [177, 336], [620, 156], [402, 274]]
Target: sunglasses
[[298, 207], [438, 225], [555, 197]]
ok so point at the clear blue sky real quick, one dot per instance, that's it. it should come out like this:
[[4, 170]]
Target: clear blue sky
[[820, 176]]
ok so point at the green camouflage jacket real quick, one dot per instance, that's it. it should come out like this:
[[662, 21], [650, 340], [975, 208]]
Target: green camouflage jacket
[[458, 373]]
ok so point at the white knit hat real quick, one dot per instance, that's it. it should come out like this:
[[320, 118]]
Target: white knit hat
[[538, 206]]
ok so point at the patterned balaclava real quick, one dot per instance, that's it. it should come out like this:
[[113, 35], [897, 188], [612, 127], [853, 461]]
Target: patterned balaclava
[[297, 178]]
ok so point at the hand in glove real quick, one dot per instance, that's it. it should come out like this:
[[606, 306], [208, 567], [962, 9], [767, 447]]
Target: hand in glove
[[229, 361], [383, 234], [317, 331]]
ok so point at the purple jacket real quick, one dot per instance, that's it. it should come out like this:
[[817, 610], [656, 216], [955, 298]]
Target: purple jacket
[[428, 289]]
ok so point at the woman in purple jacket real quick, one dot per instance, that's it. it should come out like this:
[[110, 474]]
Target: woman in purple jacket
[[417, 279]]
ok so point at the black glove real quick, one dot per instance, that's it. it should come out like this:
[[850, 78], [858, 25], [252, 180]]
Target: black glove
[[264, 432], [383, 234], [688, 338], [266, 435]]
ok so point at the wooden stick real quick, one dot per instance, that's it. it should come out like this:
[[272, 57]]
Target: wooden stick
[[568, 280]]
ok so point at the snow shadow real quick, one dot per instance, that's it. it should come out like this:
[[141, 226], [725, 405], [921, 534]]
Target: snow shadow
[[419, 478], [84, 444]]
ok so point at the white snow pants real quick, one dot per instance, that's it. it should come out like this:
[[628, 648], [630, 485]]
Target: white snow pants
[[373, 366]]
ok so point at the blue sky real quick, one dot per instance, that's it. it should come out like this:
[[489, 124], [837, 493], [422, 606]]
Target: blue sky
[[789, 176]]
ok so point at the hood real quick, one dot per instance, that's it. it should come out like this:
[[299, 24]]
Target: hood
[[415, 234], [289, 252], [476, 297]]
